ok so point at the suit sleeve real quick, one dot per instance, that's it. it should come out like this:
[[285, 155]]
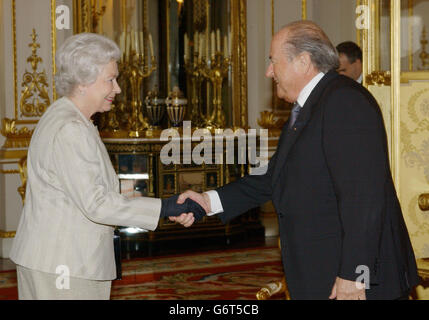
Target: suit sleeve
[[246, 193], [355, 146], [79, 171]]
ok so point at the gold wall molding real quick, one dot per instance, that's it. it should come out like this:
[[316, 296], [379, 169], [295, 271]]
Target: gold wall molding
[[371, 44], [268, 121], [410, 34], [22, 166], [395, 97], [414, 75], [274, 98], [424, 56], [379, 78], [7, 234], [54, 47], [12, 155], [34, 98], [383, 78], [34, 85], [15, 138], [304, 9], [15, 66], [363, 36], [87, 16], [239, 62], [82, 16], [9, 171]]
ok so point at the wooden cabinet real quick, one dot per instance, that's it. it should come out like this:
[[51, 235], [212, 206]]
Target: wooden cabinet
[[142, 173]]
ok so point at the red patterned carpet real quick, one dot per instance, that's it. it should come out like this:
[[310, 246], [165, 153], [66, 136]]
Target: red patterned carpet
[[217, 275]]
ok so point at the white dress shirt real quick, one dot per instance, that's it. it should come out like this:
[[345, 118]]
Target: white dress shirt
[[360, 79], [215, 203]]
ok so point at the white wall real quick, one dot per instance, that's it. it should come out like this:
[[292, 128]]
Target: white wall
[[259, 34], [336, 17], [6, 70], [329, 14], [2, 63], [29, 15], [286, 12], [258, 42]]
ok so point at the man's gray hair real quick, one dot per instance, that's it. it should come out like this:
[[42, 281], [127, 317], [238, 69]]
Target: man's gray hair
[[80, 60], [306, 36]]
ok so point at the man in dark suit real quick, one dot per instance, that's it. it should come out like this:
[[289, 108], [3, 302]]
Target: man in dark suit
[[350, 57], [340, 221]]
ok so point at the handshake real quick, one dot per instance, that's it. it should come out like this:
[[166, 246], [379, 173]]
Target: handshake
[[186, 208]]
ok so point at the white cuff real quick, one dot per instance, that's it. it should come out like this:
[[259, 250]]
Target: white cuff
[[215, 203]]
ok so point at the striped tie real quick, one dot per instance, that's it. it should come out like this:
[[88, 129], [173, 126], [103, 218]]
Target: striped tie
[[294, 114]]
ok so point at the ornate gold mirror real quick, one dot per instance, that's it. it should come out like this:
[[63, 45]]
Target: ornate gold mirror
[[414, 39], [414, 54], [193, 49]]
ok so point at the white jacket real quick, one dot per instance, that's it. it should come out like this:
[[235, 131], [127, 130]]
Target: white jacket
[[72, 199]]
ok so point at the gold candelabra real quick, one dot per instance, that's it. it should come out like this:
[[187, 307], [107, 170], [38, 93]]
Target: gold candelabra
[[206, 58], [126, 117], [216, 71], [195, 76], [135, 69]]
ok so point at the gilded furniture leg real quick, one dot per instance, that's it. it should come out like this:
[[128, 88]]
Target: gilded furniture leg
[[22, 165], [273, 288]]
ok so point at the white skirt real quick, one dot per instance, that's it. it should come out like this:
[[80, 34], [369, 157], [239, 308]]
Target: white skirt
[[37, 285]]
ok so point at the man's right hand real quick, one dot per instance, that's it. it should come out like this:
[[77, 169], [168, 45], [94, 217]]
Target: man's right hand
[[172, 207], [201, 198]]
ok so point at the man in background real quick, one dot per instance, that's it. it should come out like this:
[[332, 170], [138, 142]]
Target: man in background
[[350, 56]]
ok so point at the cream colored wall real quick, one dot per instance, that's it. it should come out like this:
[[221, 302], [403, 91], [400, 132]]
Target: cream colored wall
[[382, 94], [64, 33], [258, 44], [414, 166], [414, 151], [331, 14], [29, 15], [6, 52], [8, 208], [286, 12], [414, 159], [11, 210], [2, 64]]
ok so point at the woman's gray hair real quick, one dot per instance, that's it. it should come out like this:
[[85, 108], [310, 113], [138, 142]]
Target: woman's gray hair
[[306, 36], [80, 60]]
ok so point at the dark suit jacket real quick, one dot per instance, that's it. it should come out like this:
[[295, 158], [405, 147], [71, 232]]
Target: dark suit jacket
[[331, 185]]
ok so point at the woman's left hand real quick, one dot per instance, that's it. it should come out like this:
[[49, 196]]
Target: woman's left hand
[[185, 219]]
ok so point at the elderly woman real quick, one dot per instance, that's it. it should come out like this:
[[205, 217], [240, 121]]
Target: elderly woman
[[64, 243]]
